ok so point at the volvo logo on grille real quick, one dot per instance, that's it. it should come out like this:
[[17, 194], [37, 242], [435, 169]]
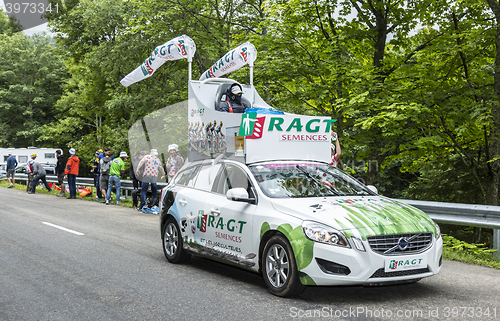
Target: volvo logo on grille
[[403, 243]]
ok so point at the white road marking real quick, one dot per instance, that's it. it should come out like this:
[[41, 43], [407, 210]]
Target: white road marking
[[63, 228]]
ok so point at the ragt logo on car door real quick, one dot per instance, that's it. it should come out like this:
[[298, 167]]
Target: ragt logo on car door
[[205, 220]]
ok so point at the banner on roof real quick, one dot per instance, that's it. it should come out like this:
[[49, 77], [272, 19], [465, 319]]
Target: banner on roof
[[231, 61], [172, 50]]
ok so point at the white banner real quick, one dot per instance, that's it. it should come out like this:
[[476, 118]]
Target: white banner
[[231, 61], [172, 50]]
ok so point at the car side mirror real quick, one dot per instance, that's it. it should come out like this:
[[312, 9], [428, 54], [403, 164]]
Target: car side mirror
[[239, 194], [372, 188]]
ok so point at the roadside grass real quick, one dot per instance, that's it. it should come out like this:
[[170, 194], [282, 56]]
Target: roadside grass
[[90, 197], [478, 254]]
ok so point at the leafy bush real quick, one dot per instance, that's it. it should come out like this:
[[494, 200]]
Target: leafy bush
[[454, 249]]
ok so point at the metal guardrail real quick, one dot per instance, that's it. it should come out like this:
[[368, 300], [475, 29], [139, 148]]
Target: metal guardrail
[[463, 214], [126, 185], [460, 214]]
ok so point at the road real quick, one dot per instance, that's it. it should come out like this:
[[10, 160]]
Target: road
[[113, 268]]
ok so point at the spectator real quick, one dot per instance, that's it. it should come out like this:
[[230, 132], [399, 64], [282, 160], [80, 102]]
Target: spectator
[[136, 179], [104, 167], [233, 103], [60, 166], [115, 173], [71, 172], [174, 162], [152, 167], [11, 170], [38, 174], [95, 170], [29, 171], [335, 149]]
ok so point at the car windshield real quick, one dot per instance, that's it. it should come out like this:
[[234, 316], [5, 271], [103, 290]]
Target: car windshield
[[292, 180]]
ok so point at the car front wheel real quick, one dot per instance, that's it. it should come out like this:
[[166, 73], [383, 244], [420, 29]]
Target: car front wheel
[[172, 243], [279, 268]]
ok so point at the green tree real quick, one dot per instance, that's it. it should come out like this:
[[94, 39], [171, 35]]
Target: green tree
[[31, 74]]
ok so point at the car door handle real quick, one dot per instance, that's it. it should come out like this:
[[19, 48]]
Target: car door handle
[[183, 202], [215, 211]]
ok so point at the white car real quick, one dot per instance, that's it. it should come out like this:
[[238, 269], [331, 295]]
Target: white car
[[298, 223]]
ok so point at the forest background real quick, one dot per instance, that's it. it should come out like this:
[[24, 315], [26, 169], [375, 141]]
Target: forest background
[[414, 84]]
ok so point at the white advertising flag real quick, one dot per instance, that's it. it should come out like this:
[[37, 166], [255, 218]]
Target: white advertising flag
[[231, 61], [172, 50]]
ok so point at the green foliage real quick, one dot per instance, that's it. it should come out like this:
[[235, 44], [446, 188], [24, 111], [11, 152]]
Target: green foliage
[[454, 249], [31, 74], [451, 243]]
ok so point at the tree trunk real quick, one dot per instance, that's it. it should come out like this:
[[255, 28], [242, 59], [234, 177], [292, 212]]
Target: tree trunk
[[494, 142]]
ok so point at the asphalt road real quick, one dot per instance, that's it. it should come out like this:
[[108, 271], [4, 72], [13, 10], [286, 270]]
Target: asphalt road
[[109, 265]]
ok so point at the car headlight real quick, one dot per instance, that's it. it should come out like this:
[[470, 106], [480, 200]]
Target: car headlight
[[438, 230], [322, 233]]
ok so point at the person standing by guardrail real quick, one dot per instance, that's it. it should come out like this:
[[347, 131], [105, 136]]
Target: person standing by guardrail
[[174, 162], [29, 171], [71, 172], [335, 149], [104, 167], [134, 161], [38, 174], [11, 170], [96, 171], [115, 173], [152, 167], [61, 161]]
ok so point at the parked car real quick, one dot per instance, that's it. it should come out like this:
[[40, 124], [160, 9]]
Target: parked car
[[49, 169], [296, 223]]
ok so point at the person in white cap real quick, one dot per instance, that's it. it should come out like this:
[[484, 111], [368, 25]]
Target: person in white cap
[[115, 173], [174, 162], [232, 102], [152, 167], [71, 172]]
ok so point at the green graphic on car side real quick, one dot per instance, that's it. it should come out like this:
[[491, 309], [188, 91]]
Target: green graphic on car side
[[306, 279], [373, 219], [301, 246]]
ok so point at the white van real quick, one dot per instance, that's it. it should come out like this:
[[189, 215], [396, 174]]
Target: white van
[[45, 156]]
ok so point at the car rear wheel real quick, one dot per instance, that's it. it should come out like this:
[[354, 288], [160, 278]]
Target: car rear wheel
[[279, 268], [172, 243]]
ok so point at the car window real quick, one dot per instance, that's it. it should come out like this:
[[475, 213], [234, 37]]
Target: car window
[[187, 177], [207, 176], [231, 177], [290, 180]]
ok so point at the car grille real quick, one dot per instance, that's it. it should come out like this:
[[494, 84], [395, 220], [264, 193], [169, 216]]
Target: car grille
[[388, 244], [380, 273]]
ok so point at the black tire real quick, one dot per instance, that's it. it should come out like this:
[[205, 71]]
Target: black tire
[[279, 268], [172, 243]]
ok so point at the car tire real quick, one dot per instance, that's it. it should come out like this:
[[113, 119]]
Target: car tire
[[172, 243], [279, 268]]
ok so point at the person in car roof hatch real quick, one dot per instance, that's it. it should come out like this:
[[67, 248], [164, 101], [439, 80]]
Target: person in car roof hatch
[[233, 103], [38, 174], [71, 172], [60, 168], [152, 167]]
